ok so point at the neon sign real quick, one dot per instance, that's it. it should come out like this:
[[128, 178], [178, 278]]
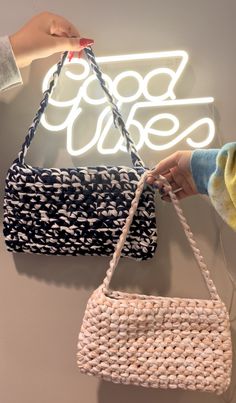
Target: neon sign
[[140, 100]]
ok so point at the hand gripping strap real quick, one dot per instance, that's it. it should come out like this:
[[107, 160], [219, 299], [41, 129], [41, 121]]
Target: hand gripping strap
[[117, 253], [118, 121]]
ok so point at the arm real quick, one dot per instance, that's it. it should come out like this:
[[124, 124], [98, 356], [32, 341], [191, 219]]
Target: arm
[[202, 165], [211, 172], [42, 36], [222, 184], [9, 71]]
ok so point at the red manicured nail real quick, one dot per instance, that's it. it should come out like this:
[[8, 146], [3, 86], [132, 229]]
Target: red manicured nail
[[70, 55], [84, 42]]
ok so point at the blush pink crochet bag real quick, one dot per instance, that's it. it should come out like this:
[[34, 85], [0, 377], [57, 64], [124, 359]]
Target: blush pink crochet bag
[[155, 341]]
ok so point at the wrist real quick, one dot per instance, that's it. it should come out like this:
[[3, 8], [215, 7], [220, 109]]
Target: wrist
[[17, 51], [9, 72]]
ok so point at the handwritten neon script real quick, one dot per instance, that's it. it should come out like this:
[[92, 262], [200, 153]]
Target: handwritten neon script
[[140, 99]]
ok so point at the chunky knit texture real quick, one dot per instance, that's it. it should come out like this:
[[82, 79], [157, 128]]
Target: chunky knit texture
[[154, 341], [81, 210], [76, 211]]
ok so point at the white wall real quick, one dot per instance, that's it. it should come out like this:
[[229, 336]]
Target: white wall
[[42, 299]]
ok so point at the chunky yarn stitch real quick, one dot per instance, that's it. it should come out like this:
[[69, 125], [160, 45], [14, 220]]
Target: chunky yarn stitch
[[154, 341], [80, 210]]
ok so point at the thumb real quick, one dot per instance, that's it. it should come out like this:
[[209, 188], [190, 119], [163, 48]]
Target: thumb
[[166, 164], [163, 167]]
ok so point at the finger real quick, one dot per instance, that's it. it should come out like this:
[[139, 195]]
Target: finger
[[61, 27], [182, 194], [169, 177], [174, 176], [166, 164], [179, 195], [166, 198], [174, 189], [184, 182], [150, 179], [153, 178], [71, 44], [156, 183]]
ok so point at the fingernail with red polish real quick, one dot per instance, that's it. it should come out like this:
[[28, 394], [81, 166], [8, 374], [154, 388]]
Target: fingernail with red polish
[[85, 42], [70, 55]]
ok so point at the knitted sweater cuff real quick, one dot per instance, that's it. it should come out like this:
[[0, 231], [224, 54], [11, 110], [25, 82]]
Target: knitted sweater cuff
[[9, 72], [203, 164]]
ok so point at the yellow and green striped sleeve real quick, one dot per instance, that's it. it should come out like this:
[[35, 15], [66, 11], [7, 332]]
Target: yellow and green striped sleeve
[[214, 173]]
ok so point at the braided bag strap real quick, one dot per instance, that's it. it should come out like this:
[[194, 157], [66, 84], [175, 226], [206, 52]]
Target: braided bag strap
[[117, 118], [117, 253], [118, 121], [43, 104]]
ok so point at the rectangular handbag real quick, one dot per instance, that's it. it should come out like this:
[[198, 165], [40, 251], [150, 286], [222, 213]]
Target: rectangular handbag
[[155, 341], [79, 210]]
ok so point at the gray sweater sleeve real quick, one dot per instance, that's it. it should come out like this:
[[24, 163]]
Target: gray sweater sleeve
[[9, 72]]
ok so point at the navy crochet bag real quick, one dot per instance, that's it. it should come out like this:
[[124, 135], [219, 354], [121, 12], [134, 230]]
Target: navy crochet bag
[[80, 210]]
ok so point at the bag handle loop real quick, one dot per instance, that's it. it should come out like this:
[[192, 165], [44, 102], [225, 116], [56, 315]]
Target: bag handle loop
[[119, 246], [117, 118]]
